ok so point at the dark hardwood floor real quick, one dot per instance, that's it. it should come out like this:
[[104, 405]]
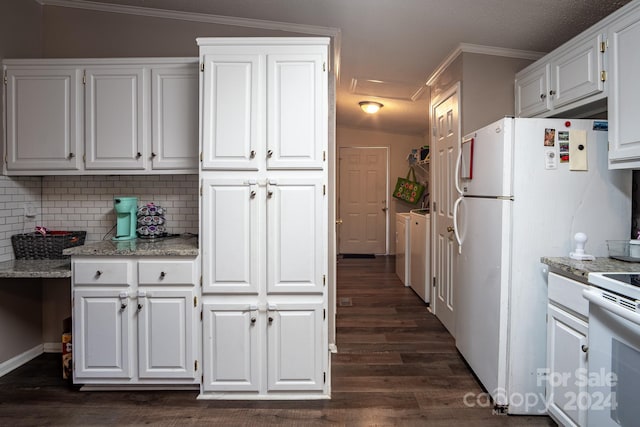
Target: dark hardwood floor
[[396, 365]]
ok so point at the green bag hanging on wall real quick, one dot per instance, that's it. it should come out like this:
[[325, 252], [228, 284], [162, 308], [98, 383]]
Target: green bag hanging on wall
[[409, 190]]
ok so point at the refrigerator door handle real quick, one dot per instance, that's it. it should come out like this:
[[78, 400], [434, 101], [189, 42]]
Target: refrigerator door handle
[[455, 223], [457, 171]]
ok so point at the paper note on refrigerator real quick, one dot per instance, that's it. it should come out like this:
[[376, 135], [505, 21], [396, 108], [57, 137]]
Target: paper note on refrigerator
[[578, 150]]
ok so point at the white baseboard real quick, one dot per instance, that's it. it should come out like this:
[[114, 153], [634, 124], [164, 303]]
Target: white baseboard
[[21, 359], [53, 347]]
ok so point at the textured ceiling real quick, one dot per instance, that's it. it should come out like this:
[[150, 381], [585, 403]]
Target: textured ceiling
[[403, 41]]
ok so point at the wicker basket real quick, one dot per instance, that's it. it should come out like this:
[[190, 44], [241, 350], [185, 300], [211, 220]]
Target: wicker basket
[[50, 246]]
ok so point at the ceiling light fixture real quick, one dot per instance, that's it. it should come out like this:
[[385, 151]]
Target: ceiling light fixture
[[370, 107]]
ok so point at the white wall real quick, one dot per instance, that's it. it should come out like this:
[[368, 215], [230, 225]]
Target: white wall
[[399, 147]]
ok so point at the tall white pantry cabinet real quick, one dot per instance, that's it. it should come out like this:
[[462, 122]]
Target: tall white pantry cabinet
[[264, 210]]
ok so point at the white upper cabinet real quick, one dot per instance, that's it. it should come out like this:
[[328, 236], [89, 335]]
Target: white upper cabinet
[[101, 116], [174, 117], [44, 118], [567, 78], [624, 94], [576, 71], [264, 106], [531, 91], [296, 110], [116, 118], [233, 110]]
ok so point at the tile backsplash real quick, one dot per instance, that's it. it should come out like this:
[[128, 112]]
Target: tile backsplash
[[86, 203], [14, 194]]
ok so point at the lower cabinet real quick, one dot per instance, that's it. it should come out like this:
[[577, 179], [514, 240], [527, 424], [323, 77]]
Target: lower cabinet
[[126, 331], [567, 347], [266, 350]]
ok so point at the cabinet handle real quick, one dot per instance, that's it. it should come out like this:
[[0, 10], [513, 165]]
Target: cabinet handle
[[252, 154], [162, 275], [270, 320], [552, 92], [543, 96], [584, 348], [449, 229], [138, 155], [269, 194], [153, 155], [139, 306], [252, 194], [269, 154], [71, 156], [253, 320], [98, 273]]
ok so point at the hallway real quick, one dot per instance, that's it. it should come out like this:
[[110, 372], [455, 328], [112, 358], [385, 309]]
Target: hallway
[[396, 362], [396, 366]]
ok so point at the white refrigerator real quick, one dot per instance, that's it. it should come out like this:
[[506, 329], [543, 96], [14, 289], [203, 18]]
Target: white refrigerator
[[527, 187]]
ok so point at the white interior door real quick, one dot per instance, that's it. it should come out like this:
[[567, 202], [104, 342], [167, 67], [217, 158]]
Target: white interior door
[[446, 122], [362, 201]]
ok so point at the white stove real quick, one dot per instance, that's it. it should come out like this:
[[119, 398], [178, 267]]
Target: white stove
[[614, 349], [623, 284]]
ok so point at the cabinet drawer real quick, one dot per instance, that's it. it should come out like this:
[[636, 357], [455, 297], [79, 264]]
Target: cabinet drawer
[[102, 273], [568, 293], [166, 272]]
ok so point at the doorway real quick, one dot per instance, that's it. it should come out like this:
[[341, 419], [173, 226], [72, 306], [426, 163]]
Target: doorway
[[362, 200], [446, 141]]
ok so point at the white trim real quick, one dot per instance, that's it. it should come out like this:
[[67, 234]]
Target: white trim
[[193, 17], [52, 347], [19, 360], [484, 50]]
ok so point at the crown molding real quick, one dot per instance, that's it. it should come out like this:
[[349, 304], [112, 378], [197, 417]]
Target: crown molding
[[484, 50]]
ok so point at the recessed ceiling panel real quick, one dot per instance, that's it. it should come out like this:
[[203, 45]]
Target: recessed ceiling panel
[[386, 89]]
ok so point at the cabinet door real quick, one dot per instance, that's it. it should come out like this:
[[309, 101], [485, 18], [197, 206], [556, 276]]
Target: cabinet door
[[296, 355], [531, 92], [166, 333], [296, 111], [567, 362], [102, 346], [116, 121], [296, 236], [575, 72], [233, 111], [231, 242], [44, 119], [230, 347], [174, 117], [624, 90]]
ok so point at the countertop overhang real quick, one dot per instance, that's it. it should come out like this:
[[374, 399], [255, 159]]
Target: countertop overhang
[[579, 270], [173, 246], [186, 246]]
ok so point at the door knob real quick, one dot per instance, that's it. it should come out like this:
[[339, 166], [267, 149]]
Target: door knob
[[450, 229], [338, 221]]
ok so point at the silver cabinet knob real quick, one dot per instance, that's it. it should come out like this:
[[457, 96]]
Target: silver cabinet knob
[[543, 96], [584, 348], [269, 154], [252, 154]]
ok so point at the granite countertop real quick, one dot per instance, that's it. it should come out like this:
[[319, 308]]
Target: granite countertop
[[579, 270], [45, 268], [186, 245]]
